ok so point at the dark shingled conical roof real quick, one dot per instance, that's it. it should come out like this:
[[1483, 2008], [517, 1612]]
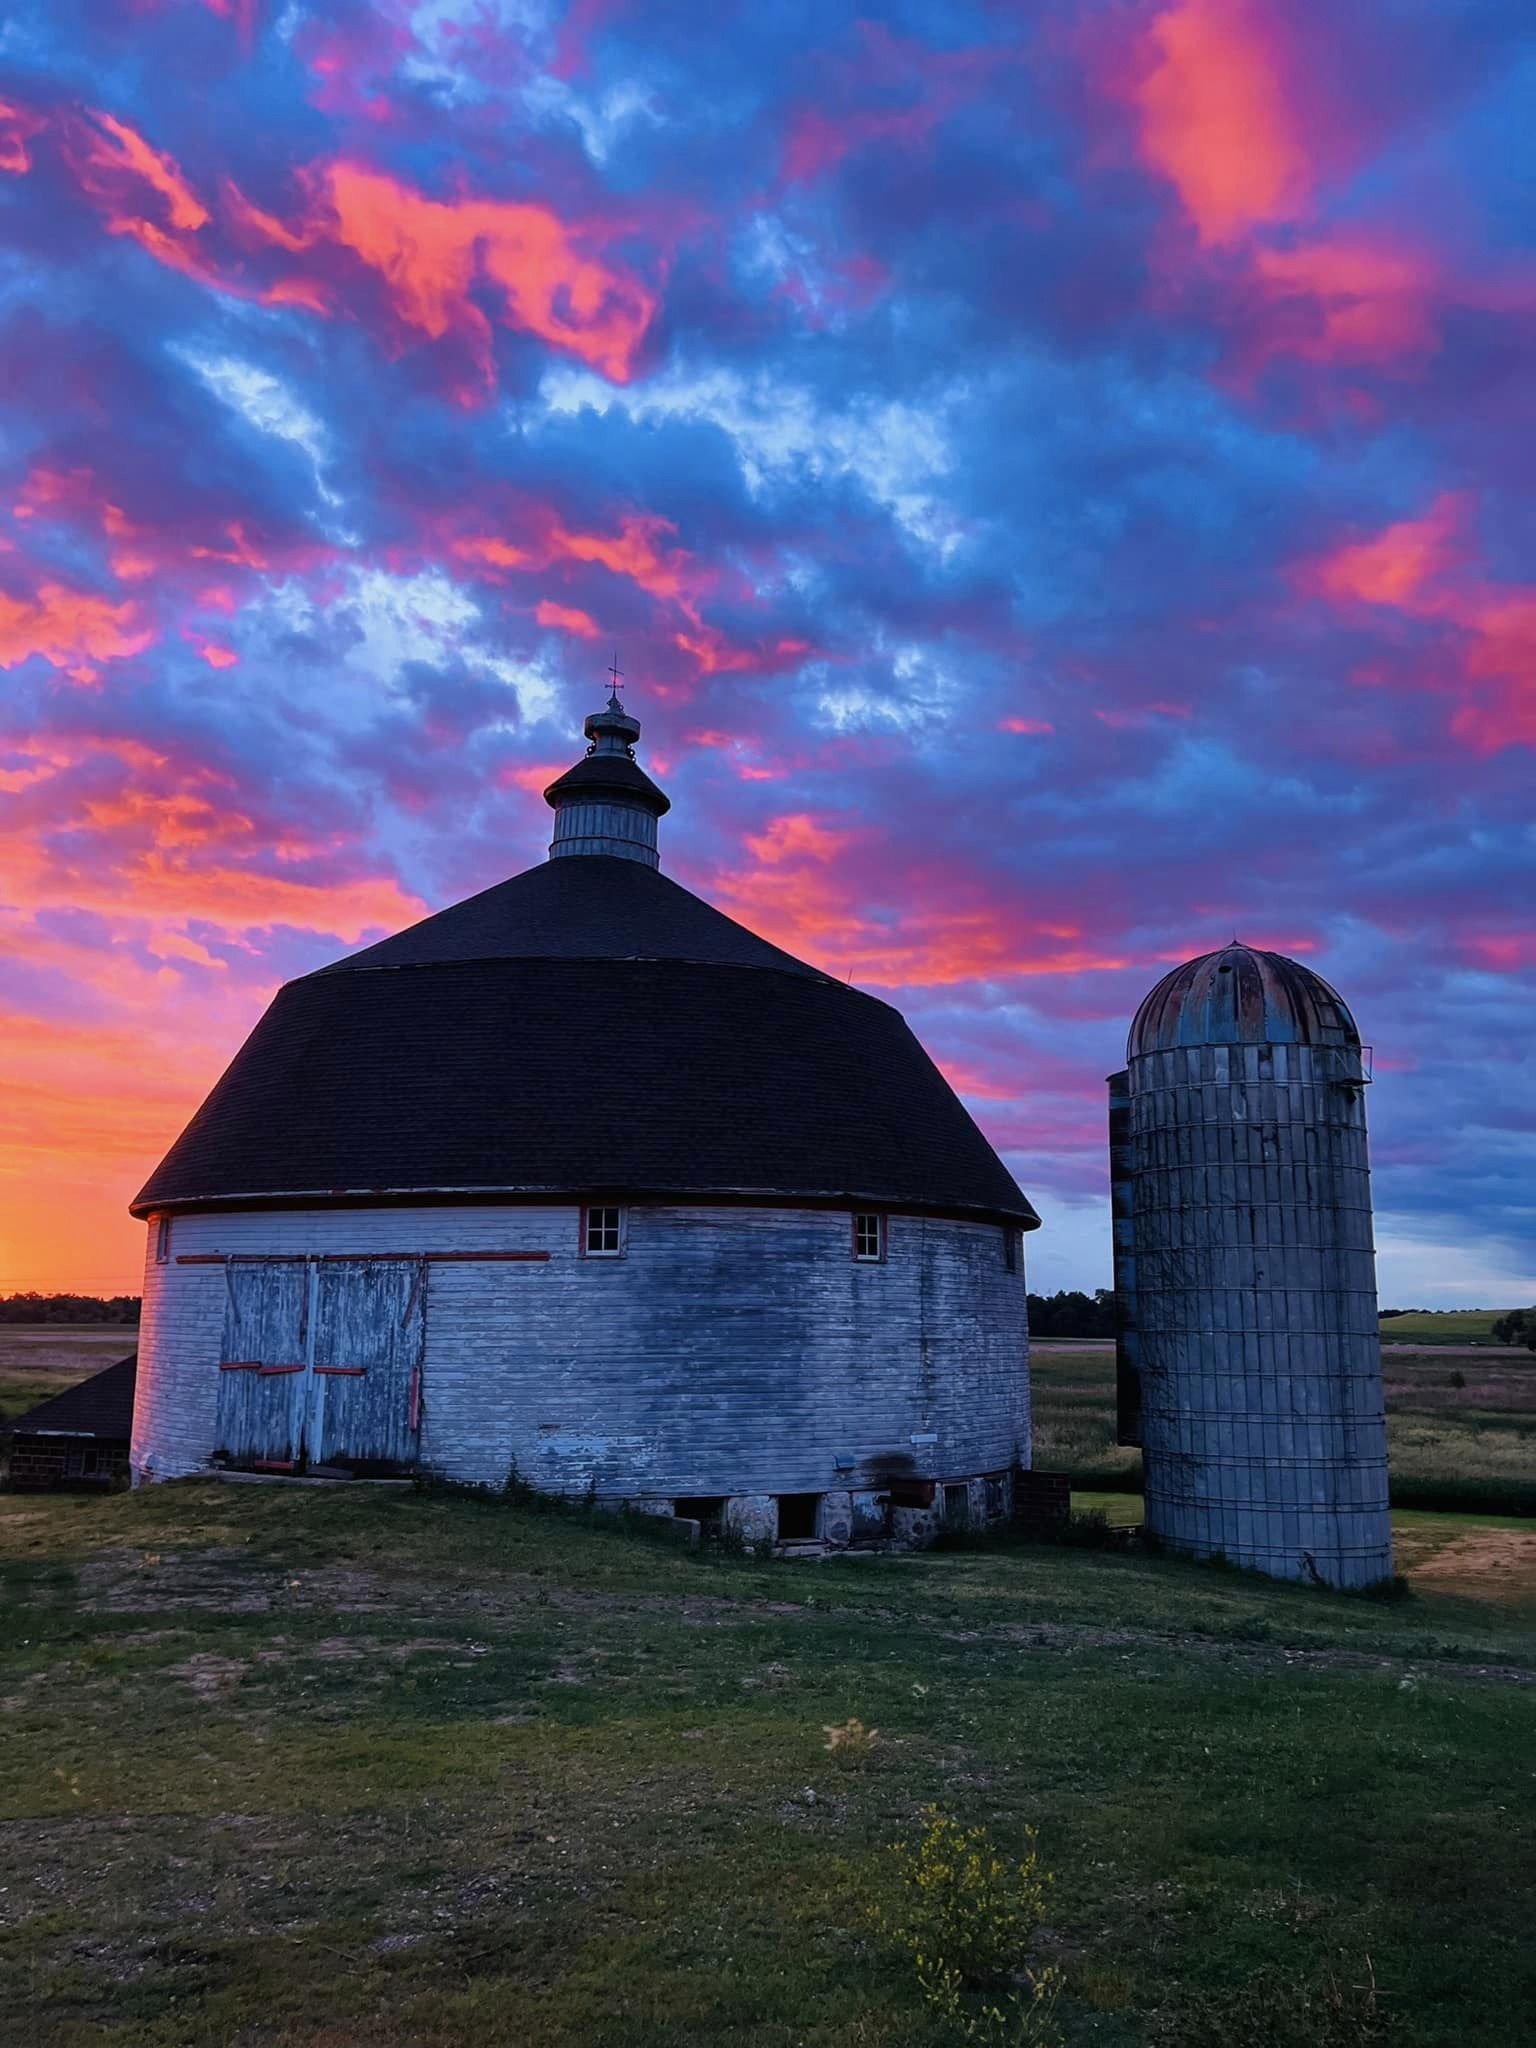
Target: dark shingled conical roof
[[587, 1028]]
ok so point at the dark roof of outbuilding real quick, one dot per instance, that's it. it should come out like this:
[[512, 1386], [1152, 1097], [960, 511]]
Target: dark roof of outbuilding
[[1241, 995], [101, 1407], [587, 1027]]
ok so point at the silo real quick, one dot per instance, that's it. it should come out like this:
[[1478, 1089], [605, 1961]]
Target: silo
[[1249, 1359]]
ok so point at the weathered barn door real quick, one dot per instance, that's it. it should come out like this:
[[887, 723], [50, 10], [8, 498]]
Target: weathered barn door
[[263, 1384], [370, 1328]]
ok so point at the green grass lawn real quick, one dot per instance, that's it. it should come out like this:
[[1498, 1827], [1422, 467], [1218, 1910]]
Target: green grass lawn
[[1461, 1429], [341, 1768]]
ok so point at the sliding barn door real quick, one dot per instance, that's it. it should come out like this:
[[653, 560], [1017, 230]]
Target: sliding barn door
[[370, 1331], [263, 1383]]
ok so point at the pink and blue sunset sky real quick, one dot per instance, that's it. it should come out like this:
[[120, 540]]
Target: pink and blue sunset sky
[[1058, 478]]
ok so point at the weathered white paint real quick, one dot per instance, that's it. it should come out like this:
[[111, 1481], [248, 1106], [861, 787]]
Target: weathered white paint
[[1262, 1412], [730, 1351], [605, 826]]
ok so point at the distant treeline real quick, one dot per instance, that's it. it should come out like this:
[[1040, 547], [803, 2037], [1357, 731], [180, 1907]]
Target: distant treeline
[[1073, 1314], [70, 1308]]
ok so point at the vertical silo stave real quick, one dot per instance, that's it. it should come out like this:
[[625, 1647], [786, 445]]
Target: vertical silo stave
[[1249, 1225]]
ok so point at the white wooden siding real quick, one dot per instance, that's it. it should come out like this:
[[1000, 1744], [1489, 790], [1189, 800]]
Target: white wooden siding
[[728, 1351]]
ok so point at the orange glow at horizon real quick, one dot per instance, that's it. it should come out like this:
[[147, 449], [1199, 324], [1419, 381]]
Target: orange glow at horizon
[[97, 1089]]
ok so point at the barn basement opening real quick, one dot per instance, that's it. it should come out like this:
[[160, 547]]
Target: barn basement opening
[[699, 1507], [798, 1516]]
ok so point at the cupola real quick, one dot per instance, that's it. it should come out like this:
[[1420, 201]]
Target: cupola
[[607, 804]]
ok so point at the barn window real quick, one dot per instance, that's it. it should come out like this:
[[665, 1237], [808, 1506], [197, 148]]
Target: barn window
[[162, 1240], [869, 1236], [1010, 1248], [603, 1234]]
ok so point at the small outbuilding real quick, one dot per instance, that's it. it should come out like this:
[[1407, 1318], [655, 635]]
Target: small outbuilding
[[75, 1439], [581, 1180]]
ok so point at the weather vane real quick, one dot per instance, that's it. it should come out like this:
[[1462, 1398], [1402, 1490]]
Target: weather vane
[[617, 673]]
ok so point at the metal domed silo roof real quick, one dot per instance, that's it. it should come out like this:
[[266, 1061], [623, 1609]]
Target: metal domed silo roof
[[1241, 995]]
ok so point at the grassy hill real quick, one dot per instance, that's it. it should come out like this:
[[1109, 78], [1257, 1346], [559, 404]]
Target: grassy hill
[[309, 1768], [1442, 1326]]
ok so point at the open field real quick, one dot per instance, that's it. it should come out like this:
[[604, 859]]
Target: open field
[[1461, 1427], [1443, 1326], [291, 1767], [40, 1359]]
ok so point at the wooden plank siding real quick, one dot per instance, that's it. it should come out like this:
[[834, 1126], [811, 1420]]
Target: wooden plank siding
[[729, 1350], [261, 1384]]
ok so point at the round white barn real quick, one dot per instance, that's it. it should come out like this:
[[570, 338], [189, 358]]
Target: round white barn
[[582, 1181]]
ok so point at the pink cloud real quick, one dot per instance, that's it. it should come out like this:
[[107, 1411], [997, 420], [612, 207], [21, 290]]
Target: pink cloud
[[1426, 569], [1217, 119], [566, 618]]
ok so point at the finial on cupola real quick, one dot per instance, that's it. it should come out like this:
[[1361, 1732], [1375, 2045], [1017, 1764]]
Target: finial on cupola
[[607, 804]]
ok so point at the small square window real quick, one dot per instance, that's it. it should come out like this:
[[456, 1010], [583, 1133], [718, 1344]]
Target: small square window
[[869, 1236], [162, 1240], [602, 1237]]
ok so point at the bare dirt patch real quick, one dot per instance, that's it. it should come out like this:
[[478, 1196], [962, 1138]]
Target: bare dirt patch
[[1497, 1565], [210, 1676]]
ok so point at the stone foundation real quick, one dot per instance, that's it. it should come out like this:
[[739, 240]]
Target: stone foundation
[[908, 1516]]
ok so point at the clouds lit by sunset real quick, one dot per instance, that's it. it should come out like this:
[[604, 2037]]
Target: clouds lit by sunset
[[1057, 479]]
